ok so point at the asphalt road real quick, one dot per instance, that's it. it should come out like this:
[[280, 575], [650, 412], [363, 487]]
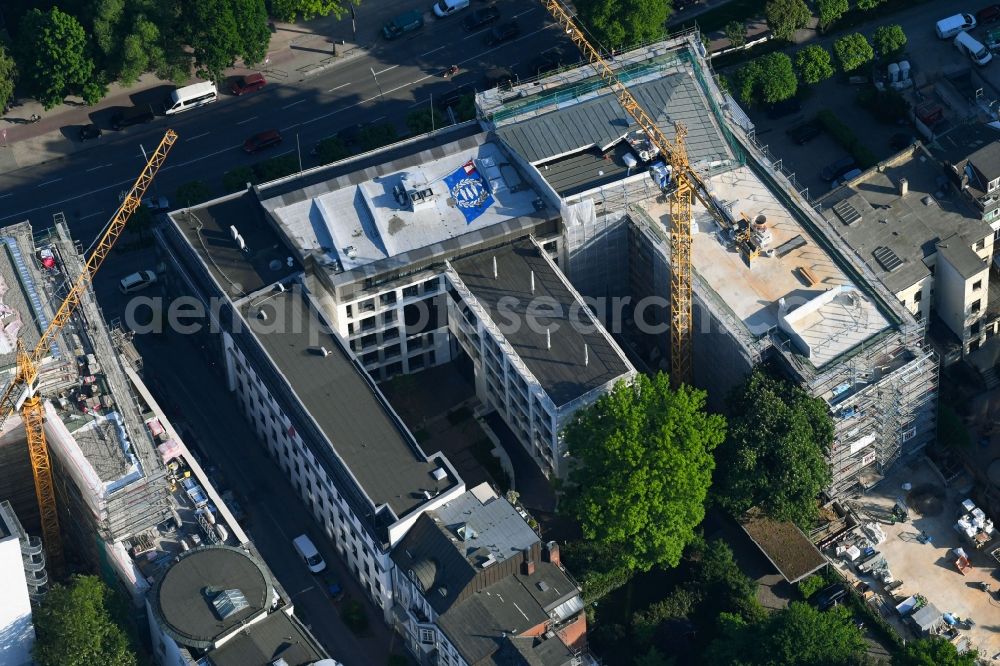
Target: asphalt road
[[383, 85]]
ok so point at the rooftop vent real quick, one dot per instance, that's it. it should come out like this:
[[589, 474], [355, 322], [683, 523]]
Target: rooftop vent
[[229, 602], [489, 561], [887, 259], [439, 474], [928, 200], [847, 213], [351, 252], [542, 585], [466, 532]]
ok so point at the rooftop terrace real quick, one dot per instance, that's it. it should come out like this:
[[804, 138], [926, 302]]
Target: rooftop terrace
[[798, 272], [870, 213], [543, 319]]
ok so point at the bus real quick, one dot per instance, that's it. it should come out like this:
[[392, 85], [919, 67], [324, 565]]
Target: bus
[[190, 97]]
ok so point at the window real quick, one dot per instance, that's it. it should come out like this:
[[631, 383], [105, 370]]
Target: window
[[977, 285], [350, 310], [976, 306], [410, 291], [368, 341], [388, 298], [367, 305], [369, 358], [392, 350], [390, 334], [427, 636], [975, 328], [431, 286], [919, 296], [973, 346], [980, 244], [368, 324]]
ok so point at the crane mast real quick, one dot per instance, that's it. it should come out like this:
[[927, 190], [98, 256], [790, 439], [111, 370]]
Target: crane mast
[[22, 392], [688, 185]]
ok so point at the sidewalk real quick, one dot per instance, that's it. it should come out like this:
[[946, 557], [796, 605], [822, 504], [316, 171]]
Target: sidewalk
[[296, 52]]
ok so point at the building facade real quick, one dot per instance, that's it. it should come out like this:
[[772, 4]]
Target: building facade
[[22, 566]]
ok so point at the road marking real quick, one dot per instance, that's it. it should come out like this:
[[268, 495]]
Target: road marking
[[84, 217], [99, 166], [476, 34], [430, 52], [342, 85], [197, 136], [526, 11], [289, 128], [288, 106], [247, 120], [56, 180], [385, 70]]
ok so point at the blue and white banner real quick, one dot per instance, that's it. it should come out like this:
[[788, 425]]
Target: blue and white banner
[[470, 191]]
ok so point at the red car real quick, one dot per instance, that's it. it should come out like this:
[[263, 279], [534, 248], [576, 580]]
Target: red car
[[248, 83], [262, 140]]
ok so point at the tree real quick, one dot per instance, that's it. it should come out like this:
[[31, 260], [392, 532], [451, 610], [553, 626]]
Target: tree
[[236, 179], [644, 455], [8, 76], [192, 193], [375, 136], [424, 120], [52, 46], [853, 51], [616, 24], [332, 149], [869, 4], [654, 658], [774, 456], [784, 17], [794, 636], [214, 37], [255, 35], [296, 10], [746, 80], [811, 585], [829, 11], [768, 79], [736, 33], [275, 168], [934, 651], [889, 39], [814, 64], [74, 628]]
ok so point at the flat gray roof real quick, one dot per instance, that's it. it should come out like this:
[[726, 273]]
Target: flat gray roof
[[264, 259], [602, 122], [958, 253], [909, 226], [581, 356], [585, 170], [185, 593], [363, 430], [277, 636], [961, 141]]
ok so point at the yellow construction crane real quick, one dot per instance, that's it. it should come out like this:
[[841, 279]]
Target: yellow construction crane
[[21, 393], [688, 184]]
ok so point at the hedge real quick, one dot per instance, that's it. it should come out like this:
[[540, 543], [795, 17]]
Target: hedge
[[845, 136]]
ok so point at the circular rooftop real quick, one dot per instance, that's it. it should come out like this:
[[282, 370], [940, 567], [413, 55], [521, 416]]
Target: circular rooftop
[[192, 602]]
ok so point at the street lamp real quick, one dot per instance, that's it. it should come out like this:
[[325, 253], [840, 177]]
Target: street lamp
[[375, 76]]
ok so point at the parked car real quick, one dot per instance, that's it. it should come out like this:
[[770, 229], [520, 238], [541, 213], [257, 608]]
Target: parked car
[[156, 204], [850, 175], [835, 170], [443, 8], [502, 33], [132, 116], [806, 132], [480, 18], [137, 281], [785, 108], [262, 140], [248, 83], [947, 28], [90, 131], [402, 24], [829, 596], [988, 14]]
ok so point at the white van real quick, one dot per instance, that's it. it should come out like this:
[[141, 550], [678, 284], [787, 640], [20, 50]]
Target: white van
[[971, 47], [307, 551], [136, 281], [190, 97], [949, 27], [444, 8]]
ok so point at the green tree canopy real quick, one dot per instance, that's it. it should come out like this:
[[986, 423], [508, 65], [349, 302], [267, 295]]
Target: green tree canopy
[[767, 80], [829, 11], [869, 4], [784, 17], [799, 635], [935, 651], [332, 149], [774, 456], [615, 24], [219, 31], [74, 628], [889, 39], [8, 77], [192, 193], [303, 10], [52, 46], [424, 120], [736, 33], [644, 464], [814, 64], [853, 51], [375, 136]]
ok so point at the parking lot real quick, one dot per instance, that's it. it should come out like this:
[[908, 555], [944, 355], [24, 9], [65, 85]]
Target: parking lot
[[940, 72], [926, 566]]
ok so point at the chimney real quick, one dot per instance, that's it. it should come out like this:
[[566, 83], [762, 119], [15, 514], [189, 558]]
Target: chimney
[[494, 268], [548, 338], [551, 553], [527, 568], [904, 187]]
